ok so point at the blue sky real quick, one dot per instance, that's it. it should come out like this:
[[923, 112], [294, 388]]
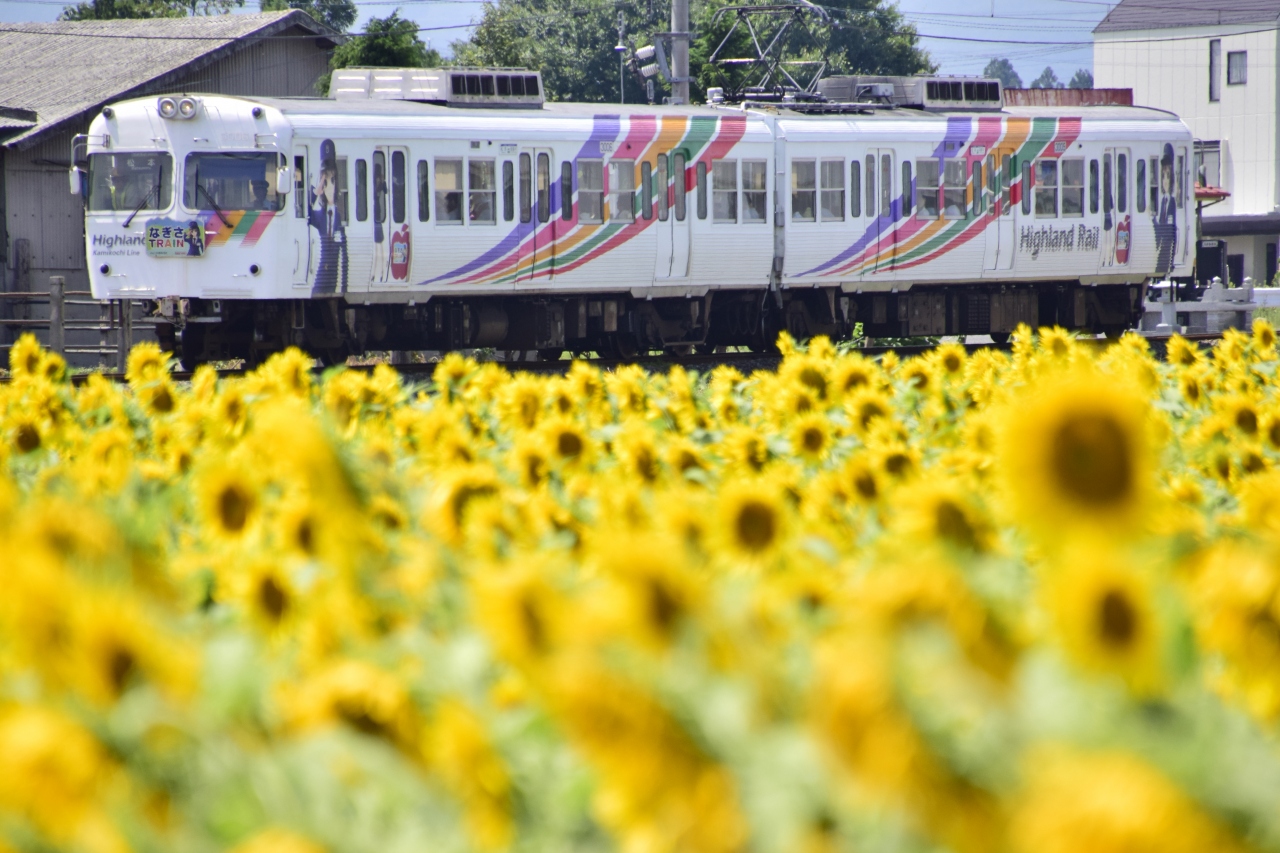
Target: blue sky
[[1025, 24]]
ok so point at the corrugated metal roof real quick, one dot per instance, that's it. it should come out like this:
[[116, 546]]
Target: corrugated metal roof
[[1165, 14], [65, 69]]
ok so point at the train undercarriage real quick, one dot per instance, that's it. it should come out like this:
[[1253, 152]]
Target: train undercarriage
[[621, 325]]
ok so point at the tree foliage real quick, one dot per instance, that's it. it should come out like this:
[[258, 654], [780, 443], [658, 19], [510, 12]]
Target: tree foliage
[[1047, 80], [335, 14], [105, 10], [390, 42], [1082, 79], [1002, 70], [572, 44]]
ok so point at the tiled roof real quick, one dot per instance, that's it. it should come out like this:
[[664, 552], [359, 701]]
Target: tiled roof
[[1165, 14], [65, 69]]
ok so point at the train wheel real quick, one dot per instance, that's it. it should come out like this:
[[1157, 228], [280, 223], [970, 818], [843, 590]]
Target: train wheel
[[333, 356], [551, 354], [1000, 338], [623, 346], [190, 347]]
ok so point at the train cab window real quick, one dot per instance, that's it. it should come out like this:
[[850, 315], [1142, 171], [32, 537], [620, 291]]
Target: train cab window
[[399, 190], [299, 187], [953, 189], [906, 186], [544, 189], [1093, 186], [755, 194], [1140, 181], [342, 190], [225, 180], [646, 189], [700, 180], [831, 180], [977, 182], [1028, 185], [1072, 187], [622, 189], [1122, 182], [927, 179], [664, 183], [424, 192], [362, 190], [449, 192], [871, 185], [1046, 190], [566, 190], [682, 186], [1108, 197], [526, 188], [508, 188], [379, 186], [482, 188], [804, 190], [590, 191], [855, 189], [724, 187]]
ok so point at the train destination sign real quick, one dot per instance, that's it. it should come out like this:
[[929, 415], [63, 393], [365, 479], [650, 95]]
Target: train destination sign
[[168, 238]]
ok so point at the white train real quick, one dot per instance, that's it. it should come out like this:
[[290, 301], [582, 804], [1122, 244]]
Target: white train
[[453, 208]]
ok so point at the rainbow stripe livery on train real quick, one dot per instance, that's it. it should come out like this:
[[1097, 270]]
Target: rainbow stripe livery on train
[[453, 208]]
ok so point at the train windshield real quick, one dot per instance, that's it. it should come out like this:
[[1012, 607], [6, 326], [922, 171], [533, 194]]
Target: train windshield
[[128, 182], [231, 181]]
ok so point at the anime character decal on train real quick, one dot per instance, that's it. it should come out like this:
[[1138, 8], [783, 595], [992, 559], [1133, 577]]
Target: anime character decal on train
[[533, 249], [324, 216]]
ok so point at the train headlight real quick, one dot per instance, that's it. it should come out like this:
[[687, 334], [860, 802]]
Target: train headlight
[[167, 107], [187, 108]]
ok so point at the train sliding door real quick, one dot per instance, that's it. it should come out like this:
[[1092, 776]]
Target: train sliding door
[[672, 258], [536, 227], [880, 171], [1000, 168], [303, 256]]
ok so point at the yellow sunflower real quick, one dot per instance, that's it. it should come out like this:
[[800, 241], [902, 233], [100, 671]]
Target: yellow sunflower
[[752, 521]]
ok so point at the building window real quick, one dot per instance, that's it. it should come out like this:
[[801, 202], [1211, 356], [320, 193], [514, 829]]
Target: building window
[[566, 191], [664, 188], [399, 191], [1028, 176], [482, 186], [1093, 186], [448, 191], [1209, 163], [1140, 179], [379, 186], [1122, 182], [906, 185], [678, 171], [977, 182], [544, 189], [1215, 69], [832, 190], [804, 190], [724, 191], [590, 191], [1155, 184], [755, 198], [871, 185], [1237, 68]]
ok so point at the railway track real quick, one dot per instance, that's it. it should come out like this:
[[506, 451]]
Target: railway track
[[743, 361]]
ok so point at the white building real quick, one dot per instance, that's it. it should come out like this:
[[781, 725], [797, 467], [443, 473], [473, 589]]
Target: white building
[[1213, 62]]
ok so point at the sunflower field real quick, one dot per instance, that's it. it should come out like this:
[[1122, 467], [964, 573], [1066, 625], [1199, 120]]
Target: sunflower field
[[1023, 601]]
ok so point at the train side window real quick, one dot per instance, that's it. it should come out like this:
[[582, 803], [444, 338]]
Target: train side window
[[482, 189], [590, 191], [424, 191], [379, 186], [526, 188], [906, 185], [871, 185], [755, 194], [646, 189], [664, 183], [1108, 199], [1072, 187], [544, 188], [804, 190], [831, 180], [449, 192], [566, 190], [953, 189], [724, 186], [927, 189], [300, 187], [399, 190], [1028, 184], [342, 190], [508, 188], [1140, 180], [886, 184], [1046, 190], [855, 188], [1122, 182], [362, 190], [682, 186], [976, 185], [622, 188], [1093, 186], [1155, 183], [700, 171]]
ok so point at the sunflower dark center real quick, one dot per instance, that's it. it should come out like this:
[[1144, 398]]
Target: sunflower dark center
[[1247, 421], [1093, 460], [28, 438], [120, 665], [813, 440], [756, 525], [234, 504], [953, 525], [1117, 620], [272, 598], [569, 444], [664, 606]]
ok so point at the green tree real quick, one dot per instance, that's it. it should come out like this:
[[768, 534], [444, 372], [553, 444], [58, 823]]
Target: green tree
[[1082, 79], [335, 14], [572, 43], [1002, 70], [1047, 80], [390, 42], [103, 10]]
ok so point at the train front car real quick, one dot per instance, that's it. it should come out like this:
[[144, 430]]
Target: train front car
[[183, 197]]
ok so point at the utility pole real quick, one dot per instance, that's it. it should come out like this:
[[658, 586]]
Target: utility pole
[[621, 50], [680, 51]]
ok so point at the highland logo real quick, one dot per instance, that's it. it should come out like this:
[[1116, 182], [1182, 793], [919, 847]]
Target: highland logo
[[1049, 239], [115, 240]]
